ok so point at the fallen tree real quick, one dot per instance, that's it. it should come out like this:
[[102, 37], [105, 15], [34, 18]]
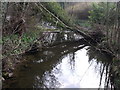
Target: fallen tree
[[90, 38]]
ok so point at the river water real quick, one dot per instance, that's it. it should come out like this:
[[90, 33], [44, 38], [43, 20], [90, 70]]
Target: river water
[[61, 66]]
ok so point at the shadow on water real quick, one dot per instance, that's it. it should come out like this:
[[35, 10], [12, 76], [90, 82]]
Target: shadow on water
[[67, 65]]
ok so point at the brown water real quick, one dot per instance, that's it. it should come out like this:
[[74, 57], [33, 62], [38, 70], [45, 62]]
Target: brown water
[[61, 66]]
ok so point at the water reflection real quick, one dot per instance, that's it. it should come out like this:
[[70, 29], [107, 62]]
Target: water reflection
[[64, 66], [106, 65]]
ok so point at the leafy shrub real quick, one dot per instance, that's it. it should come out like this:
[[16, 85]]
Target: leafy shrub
[[103, 12]]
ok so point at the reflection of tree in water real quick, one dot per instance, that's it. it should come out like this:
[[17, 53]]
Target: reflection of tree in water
[[72, 60], [104, 62], [50, 65], [107, 67], [48, 80]]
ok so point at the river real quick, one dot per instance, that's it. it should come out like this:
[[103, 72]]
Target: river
[[69, 64], [62, 66]]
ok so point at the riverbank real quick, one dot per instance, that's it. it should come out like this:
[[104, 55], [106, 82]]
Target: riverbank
[[14, 46], [13, 61], [32, 41]]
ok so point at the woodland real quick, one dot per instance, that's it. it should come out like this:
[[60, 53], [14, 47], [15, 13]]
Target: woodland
[[23, 24]]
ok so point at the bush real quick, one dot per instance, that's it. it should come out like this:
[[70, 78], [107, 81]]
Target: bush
[[103, 12]]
